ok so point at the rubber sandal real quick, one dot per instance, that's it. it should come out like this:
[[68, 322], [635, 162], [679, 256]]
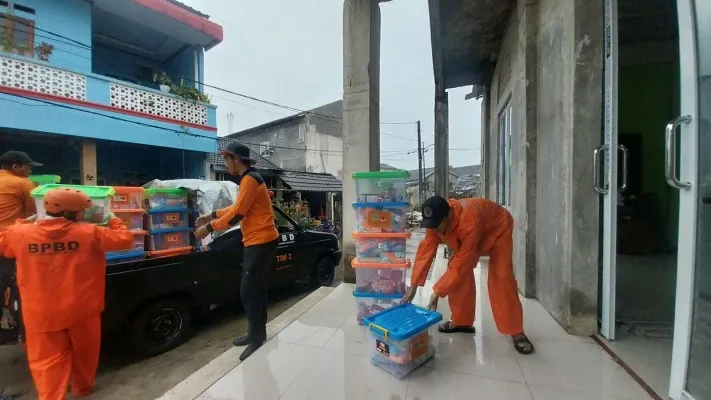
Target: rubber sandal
[[519, 341], [448, 328]]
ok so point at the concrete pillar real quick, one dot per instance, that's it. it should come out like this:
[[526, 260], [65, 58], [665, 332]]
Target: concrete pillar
[[361, 107], [485, 133], [441, 142], [87, 163]]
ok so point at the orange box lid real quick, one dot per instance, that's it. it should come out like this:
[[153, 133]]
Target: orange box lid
[[170, 252], [381, 235], [129, 211], [128, 189], [357, 264]]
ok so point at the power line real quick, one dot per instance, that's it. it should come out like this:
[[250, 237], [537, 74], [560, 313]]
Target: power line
[[85, 46]]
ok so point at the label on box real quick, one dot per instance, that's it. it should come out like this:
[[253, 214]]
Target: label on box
[[121, 198], [383, 348], [172, 218], [172, 239]]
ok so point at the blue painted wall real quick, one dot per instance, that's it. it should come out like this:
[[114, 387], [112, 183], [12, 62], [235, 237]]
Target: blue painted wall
[[69, 18]]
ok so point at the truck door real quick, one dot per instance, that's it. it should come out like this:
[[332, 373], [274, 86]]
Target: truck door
[[290, 255]]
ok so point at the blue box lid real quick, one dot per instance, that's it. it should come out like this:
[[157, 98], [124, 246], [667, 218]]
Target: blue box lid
[[402, 322], [113, 256], [391, 204], [379, 296], [169, 230], [167, 210]]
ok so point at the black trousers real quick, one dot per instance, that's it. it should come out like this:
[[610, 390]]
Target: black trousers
[[257, 260]]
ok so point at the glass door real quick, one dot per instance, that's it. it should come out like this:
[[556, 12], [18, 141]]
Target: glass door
[[608, 187], [689, 137]]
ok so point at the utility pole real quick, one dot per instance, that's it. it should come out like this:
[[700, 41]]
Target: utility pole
[[419, 160]]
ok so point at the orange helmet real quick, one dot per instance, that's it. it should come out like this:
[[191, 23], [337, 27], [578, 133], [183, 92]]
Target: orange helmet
[[65, 199]]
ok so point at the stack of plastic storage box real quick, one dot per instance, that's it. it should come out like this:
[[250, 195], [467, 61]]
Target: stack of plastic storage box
[[401, 338], [168, 228], [99, 211], [127, 204], [381, 240]]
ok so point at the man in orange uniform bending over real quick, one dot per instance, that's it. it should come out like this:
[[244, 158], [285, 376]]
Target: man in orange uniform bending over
[[61, 273], [471, 228]]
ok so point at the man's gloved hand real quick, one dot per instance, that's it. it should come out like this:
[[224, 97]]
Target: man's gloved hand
[[203, 220], [409, 295]]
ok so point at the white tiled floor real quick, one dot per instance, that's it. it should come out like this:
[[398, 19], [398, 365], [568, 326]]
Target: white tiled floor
[[324, 354]]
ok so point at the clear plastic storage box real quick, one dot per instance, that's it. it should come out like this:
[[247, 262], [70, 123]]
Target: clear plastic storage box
[[123, 257], [127, 198], [100, 199], [373, 278], [132, 218], [165, 239], [167, 198], [401, 338], [139, 240], [166, 218], [380, 186], [369, 304], [381, 248], [381, 217]]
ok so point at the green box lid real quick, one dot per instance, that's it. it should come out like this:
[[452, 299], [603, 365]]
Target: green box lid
[[175, 191], [381, 175], [40, 180], [95, 192]]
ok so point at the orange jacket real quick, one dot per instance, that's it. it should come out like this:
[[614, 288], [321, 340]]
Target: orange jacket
[[253, 210], [476, 224], [15, 199], [61, 268]]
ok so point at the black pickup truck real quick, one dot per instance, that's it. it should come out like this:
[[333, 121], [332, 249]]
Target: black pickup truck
[[153, 302]]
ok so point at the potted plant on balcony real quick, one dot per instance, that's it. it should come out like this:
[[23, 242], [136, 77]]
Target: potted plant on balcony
[[44, 50], [164, 82]]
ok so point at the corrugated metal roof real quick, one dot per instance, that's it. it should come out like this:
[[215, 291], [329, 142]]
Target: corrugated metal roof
[[311, 181], [261, 163]]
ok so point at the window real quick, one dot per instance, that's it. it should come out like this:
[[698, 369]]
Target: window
[[17, 35], [504, 186], [265, 149], [282, 133], [302, 133], [283, 224]]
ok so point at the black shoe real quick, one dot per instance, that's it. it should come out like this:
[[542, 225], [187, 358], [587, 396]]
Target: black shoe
[[242, 341], [254, 346]]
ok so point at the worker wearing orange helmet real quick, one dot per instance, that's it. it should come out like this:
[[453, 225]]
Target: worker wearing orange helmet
[[471, 228], [61, 273]]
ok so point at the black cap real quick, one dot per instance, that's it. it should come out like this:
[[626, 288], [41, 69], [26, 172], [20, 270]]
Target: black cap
[[17, 157], [238, 150], [434, 210]]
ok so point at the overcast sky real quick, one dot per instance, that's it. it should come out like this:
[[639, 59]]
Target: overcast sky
[[291, 53]]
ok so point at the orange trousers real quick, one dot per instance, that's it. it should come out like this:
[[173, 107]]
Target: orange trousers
[[503, 290], [62, 357]]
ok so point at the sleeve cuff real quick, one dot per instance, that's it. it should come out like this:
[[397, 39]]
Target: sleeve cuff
[[214, 214], [209, 228]]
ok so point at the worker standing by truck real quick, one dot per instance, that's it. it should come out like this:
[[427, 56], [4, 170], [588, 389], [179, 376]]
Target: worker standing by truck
[[253, 211], [61, 274], [15, 203]]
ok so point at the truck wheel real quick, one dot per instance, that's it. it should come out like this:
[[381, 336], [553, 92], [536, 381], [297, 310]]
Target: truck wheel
[[160, 327], [324, 272]]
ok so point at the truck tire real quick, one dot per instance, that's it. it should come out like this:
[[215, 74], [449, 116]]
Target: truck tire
[[323, 272], [160, 326]]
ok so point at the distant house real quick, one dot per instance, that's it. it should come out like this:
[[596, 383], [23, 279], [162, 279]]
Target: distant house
[[461, 180], [310, 141]]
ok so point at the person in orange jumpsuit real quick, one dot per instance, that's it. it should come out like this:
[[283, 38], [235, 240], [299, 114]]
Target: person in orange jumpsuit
[[61, 273], [471, 228]]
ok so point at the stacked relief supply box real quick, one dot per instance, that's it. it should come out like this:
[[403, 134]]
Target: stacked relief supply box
[[381, 240], [169, 230], [100, 209], [127, 204]]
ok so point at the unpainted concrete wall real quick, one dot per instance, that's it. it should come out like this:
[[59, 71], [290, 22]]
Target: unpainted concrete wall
[[550, 71]]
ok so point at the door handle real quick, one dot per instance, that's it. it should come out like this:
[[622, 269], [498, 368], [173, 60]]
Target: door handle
[[670, 151], [625, 156], [596, 170]]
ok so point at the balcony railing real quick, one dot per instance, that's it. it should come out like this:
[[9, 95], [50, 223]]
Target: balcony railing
[[26, 75]]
